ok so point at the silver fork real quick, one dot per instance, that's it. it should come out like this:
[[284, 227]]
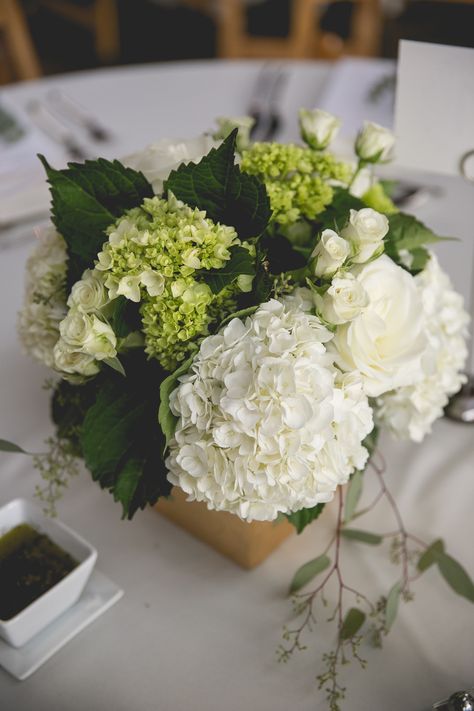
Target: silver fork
[[55, 129], [265, 101]]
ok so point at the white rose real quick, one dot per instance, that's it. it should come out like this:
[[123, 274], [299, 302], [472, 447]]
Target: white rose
[[318, 128], [366, 230], [101, 341], [158, 160], [362, 182], [227, 124], [89, 293], [343, 301], [330, 253], [374, 143], [68, 360], [75, 328], [387, 341]]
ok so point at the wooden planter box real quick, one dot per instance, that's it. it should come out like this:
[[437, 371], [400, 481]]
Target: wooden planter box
[[248, 544]]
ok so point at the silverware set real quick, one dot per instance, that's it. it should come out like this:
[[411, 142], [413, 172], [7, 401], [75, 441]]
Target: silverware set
[[59, 117], [264, 104]]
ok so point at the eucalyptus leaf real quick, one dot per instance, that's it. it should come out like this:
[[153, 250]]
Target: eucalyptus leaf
[[455, 575], [354, 491], [391, 608], [354, 534], [6, 446], [430, 556], [307, 572], [353, 621]]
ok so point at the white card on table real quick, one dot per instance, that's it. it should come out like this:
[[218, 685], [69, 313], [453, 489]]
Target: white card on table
[[434, 120]]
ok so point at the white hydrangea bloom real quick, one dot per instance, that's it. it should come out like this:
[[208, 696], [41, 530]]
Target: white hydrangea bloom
[[45, 298], [267, 424], [409, 412]]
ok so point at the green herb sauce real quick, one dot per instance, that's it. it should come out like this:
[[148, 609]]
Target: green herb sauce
[[30, 564]]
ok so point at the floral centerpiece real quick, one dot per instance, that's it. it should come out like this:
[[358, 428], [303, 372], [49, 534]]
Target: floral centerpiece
[[238, 319]]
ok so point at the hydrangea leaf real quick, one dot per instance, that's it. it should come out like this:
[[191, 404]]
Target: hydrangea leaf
[[87, 198], [165, 417], [300, 519], [120, 439], [308, 571], [240, 262], [352, 623], [354, 534], [217, 185]]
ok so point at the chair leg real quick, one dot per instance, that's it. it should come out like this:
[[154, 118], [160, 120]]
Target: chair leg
[[22, 52], [107, 34]]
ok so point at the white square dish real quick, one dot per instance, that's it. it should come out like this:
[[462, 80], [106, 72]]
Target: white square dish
[[18, 630]]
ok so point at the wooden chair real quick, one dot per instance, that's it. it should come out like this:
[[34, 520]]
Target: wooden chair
[[305, 39], [99, 16], [18, 59]]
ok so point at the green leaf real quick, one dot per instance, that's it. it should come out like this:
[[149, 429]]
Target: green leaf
[[116, 365], [391, 607], [6, 446], [240, 262], [353, 621], [124, 317], [86, 199], [354, 491], [455, 575], [354, 534], [121, 441], [300, 519], [430, 556], [242, 314], [165, 417], [407, 232], [307, 572], [216, 185]]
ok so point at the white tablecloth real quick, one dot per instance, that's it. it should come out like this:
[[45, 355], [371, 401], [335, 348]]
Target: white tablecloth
[[194, 631]]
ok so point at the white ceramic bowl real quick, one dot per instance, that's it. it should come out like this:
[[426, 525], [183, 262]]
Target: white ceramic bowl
[[20, 629]]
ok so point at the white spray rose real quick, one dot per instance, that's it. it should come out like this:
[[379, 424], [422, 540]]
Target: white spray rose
[[366, 230], [89, 293], [73, 362], [158, 160], [330, 253], [343, 301], [88, 334], [374, 143], [387, 341], [409, 412], [226, 125], [318, 128]]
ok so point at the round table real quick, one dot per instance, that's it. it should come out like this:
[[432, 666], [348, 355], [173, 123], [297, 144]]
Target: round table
[[193, 630]]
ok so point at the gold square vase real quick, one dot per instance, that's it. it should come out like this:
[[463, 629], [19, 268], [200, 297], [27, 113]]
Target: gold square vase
[[248, 544]]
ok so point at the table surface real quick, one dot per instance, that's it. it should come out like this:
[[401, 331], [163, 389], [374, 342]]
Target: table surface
[[193, 630]]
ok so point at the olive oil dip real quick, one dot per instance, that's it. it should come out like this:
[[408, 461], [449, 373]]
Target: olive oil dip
[[30, 565]]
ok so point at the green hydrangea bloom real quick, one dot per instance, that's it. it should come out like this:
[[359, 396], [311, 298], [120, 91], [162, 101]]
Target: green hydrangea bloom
[[297, 178], [153, 256]]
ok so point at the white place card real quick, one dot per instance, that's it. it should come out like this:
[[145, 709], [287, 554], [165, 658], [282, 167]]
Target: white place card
[[434, 119]]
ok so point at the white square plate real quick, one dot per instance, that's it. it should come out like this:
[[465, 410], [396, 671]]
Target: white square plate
[[99, 594]]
